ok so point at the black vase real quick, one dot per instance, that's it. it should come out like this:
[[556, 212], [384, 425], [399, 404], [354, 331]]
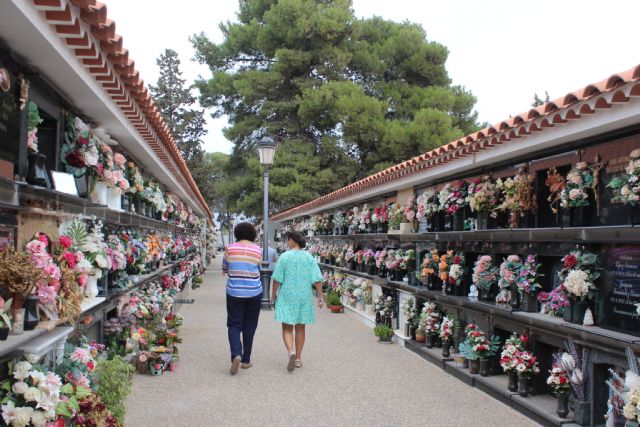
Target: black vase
[[440, 221], [412, 278], [383, 228], [482, 221], [563, 405], [579, 217], [449, 289], [574, 313], [523, 386], [485, 367], [581, 412], [436, 283], [513, 382], [529, 303], [431, 339], [37, 173], [125, 203], [448, 222], [159, 215], [4, 333], [514, 302], [371, 269], [446, 348], [634, 214], [431, 223], [31, 315]]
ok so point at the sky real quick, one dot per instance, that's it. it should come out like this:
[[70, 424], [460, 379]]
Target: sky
[[502, 51]]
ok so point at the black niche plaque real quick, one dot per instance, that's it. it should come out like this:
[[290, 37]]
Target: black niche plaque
[[621, 288]]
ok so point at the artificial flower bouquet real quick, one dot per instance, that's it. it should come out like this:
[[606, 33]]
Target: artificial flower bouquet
[[433, 318], [447, 327], [483, 195], [528, 276], [457, 270], [429, 266], [80, 152], [452, 198], [380, 215], [558, 381], [385, 308], [512, 346], [579, 183], [409, 311], [626, 187], [365, 218], [526, 364], [510, 270], [579, 274], [477, 345], [485, 274], [554, 302], [369, 257], [427, 204]]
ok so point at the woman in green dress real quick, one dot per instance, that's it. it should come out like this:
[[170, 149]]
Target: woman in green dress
[[295, 274]]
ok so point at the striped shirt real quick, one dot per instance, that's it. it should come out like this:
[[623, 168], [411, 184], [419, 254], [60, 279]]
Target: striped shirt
[[242, 265]]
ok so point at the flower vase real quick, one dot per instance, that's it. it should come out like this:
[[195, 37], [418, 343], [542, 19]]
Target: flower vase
[[368, 308], [431, 223], [523, 386], [474, 366], [155, 369], [17, 325], [360, 306], [125, 203], [412, 278], [421, 338], [448, 222], [99, 194], [114, 198], [91, 290], [449, 288], [4, 333], [514, 301], [407, 329], [574, 313], [436, 283], [485, 367], [563, 405], [37, 173], [482, 221], [31, 318], [371, 269], [634, 214], [529, 303], [383, 228], [513, 382], [579, 217], [406, 227], [353, 266], [416, 225], [581, 412], [446, 348], [430, 340]]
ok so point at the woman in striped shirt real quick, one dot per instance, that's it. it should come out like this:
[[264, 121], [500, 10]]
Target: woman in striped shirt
[[241, 264]]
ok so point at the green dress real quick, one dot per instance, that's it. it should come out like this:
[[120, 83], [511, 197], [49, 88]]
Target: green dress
[[296, 271]]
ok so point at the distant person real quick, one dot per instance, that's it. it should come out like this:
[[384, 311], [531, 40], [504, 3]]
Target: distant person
[[241, 264], [272, 257], [295, 274]]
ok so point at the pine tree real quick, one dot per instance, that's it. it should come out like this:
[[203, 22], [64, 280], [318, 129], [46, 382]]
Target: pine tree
[[175, 101], [538, 101]]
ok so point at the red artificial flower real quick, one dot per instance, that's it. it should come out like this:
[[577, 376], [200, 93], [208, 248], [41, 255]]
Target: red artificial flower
[[100, 168], [82, 140], [457, 260], [65, 242], [91, 366], [157, 366], [75, 159], [524, 338], [570, 261]]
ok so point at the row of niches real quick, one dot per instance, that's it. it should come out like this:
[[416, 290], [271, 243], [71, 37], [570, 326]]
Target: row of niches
[[57, 149], [54, 271], [595, 284], [587, 385], [596, 186]]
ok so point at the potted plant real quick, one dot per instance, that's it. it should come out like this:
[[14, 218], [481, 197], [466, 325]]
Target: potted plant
[[421, 335], [482, 198], [5, 320], [527, 367], [560, 385], [466, 348], [578, 277], [333, 302], [508, 361], [528, 285], [479, 349], [510, 270], [485, 276], [383, 332]]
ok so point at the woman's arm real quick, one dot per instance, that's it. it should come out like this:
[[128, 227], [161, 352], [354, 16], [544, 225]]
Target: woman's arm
[[318, 286], [274, 292]]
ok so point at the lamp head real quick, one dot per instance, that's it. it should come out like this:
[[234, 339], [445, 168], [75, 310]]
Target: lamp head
[[267, 150]]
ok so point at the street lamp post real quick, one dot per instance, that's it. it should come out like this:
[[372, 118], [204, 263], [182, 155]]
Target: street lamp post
[[267, 149]]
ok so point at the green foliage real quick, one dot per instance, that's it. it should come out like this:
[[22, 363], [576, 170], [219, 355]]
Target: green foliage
[[33, 116], [173, 98], [383, 332], [333, 298], [343, 97], [70, 405], [78, 232], [115, 385], [538, 101]]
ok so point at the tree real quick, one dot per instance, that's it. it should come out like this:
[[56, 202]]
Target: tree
[[343, 97], [174, 101], [538, 101]]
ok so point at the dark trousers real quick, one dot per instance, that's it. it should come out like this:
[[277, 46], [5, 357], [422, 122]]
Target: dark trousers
[[242, 318]]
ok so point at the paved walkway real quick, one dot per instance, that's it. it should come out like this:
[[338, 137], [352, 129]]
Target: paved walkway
[[348, 379]]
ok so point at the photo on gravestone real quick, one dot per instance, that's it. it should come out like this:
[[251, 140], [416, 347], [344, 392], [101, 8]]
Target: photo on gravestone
[[621, 288]]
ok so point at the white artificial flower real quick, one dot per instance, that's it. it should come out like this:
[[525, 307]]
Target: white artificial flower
[[101, 261], [9, 412], [22, 417], [32, 394], [21, 370], [577, 283], [20, 387], [38, 419], [37, 377]]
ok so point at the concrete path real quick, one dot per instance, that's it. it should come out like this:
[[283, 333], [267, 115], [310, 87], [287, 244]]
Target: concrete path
[[348, 379]]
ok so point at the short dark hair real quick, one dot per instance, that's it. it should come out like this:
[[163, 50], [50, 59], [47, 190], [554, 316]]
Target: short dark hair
[[245, 231], [297, 237]]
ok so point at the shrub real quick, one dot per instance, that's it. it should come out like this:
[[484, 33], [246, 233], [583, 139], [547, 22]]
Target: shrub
[[333, 298], [383, 332], [115, 385]]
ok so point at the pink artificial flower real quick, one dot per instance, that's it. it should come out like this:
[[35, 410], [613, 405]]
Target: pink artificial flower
[[65, 242], [83, 279], [119, 159], [70, 259], [43, 238], [36, 247], [46, 294]]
